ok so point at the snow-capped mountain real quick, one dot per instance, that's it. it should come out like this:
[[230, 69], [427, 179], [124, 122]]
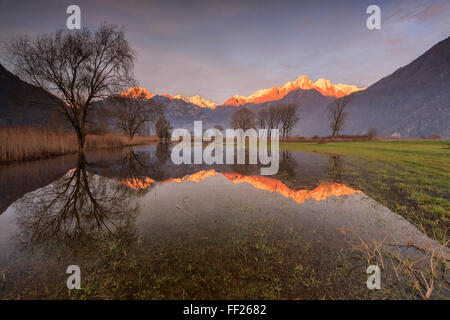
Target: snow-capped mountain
[[324, 86], [197, 100], [138, 92]]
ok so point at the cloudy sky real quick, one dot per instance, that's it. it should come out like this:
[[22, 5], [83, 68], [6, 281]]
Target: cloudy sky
[[219, 48]]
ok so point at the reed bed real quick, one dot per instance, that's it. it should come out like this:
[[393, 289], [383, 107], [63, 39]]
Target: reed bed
[[34, 143]]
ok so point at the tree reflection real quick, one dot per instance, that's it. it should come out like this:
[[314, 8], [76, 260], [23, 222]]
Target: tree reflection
[[78, 206], [135, 164], [336, 168], [162, 155], [287, 164], [140, 165]]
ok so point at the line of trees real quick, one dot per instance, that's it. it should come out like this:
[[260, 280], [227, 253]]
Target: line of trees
[[243, 118], [283, 117], [288, 116]]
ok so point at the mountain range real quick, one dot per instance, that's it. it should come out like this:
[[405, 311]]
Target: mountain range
[[324, 86], [412, 102], [138, 92]]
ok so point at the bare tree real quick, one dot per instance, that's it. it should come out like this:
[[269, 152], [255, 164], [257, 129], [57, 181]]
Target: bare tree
[[273, 119], [372, 132], [288, 115], [77, 67], [243, 119], [263, 117], [130, 113], [163, 128], [337, 114]]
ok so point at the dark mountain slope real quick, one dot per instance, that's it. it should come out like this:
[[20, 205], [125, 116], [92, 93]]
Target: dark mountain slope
[[413, 102], [22, 104]]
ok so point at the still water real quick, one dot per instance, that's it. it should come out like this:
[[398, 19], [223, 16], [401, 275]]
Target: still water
[[140, 227]]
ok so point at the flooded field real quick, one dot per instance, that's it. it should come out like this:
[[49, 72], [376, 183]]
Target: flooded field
[[140, 227]]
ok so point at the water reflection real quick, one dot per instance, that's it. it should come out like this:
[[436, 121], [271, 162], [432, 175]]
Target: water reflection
[[141, 227], [287, 163], [297, 170], [336, 168], [78, 206], [19, 178]]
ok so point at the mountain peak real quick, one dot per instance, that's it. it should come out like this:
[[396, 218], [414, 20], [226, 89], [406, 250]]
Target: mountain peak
[[197, 100], [202, 102], [137, 93], [142, 93]]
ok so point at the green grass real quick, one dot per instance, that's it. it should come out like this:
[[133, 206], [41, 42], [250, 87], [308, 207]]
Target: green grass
[[412, 178]]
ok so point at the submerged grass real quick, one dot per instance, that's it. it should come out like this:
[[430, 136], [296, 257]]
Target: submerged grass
[[254, 256], [412, 178], [34, 143]]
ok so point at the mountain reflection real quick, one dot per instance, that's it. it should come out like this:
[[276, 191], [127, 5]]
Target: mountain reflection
[[91, 202], [321, 192], [139, 176], [78, 206]]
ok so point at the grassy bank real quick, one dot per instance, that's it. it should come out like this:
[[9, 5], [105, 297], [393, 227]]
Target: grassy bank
[[412, 178], [348, 138], [34, 143]]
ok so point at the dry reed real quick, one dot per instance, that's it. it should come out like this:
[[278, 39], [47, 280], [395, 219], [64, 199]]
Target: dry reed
[[18, 143]]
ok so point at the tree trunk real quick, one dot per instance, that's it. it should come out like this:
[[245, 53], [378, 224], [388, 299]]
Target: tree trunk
[[81, 136], [81, 161], [334, 132]]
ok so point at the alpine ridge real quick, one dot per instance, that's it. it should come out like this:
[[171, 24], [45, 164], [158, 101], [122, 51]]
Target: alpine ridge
[[323, 86], [138, 92]]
